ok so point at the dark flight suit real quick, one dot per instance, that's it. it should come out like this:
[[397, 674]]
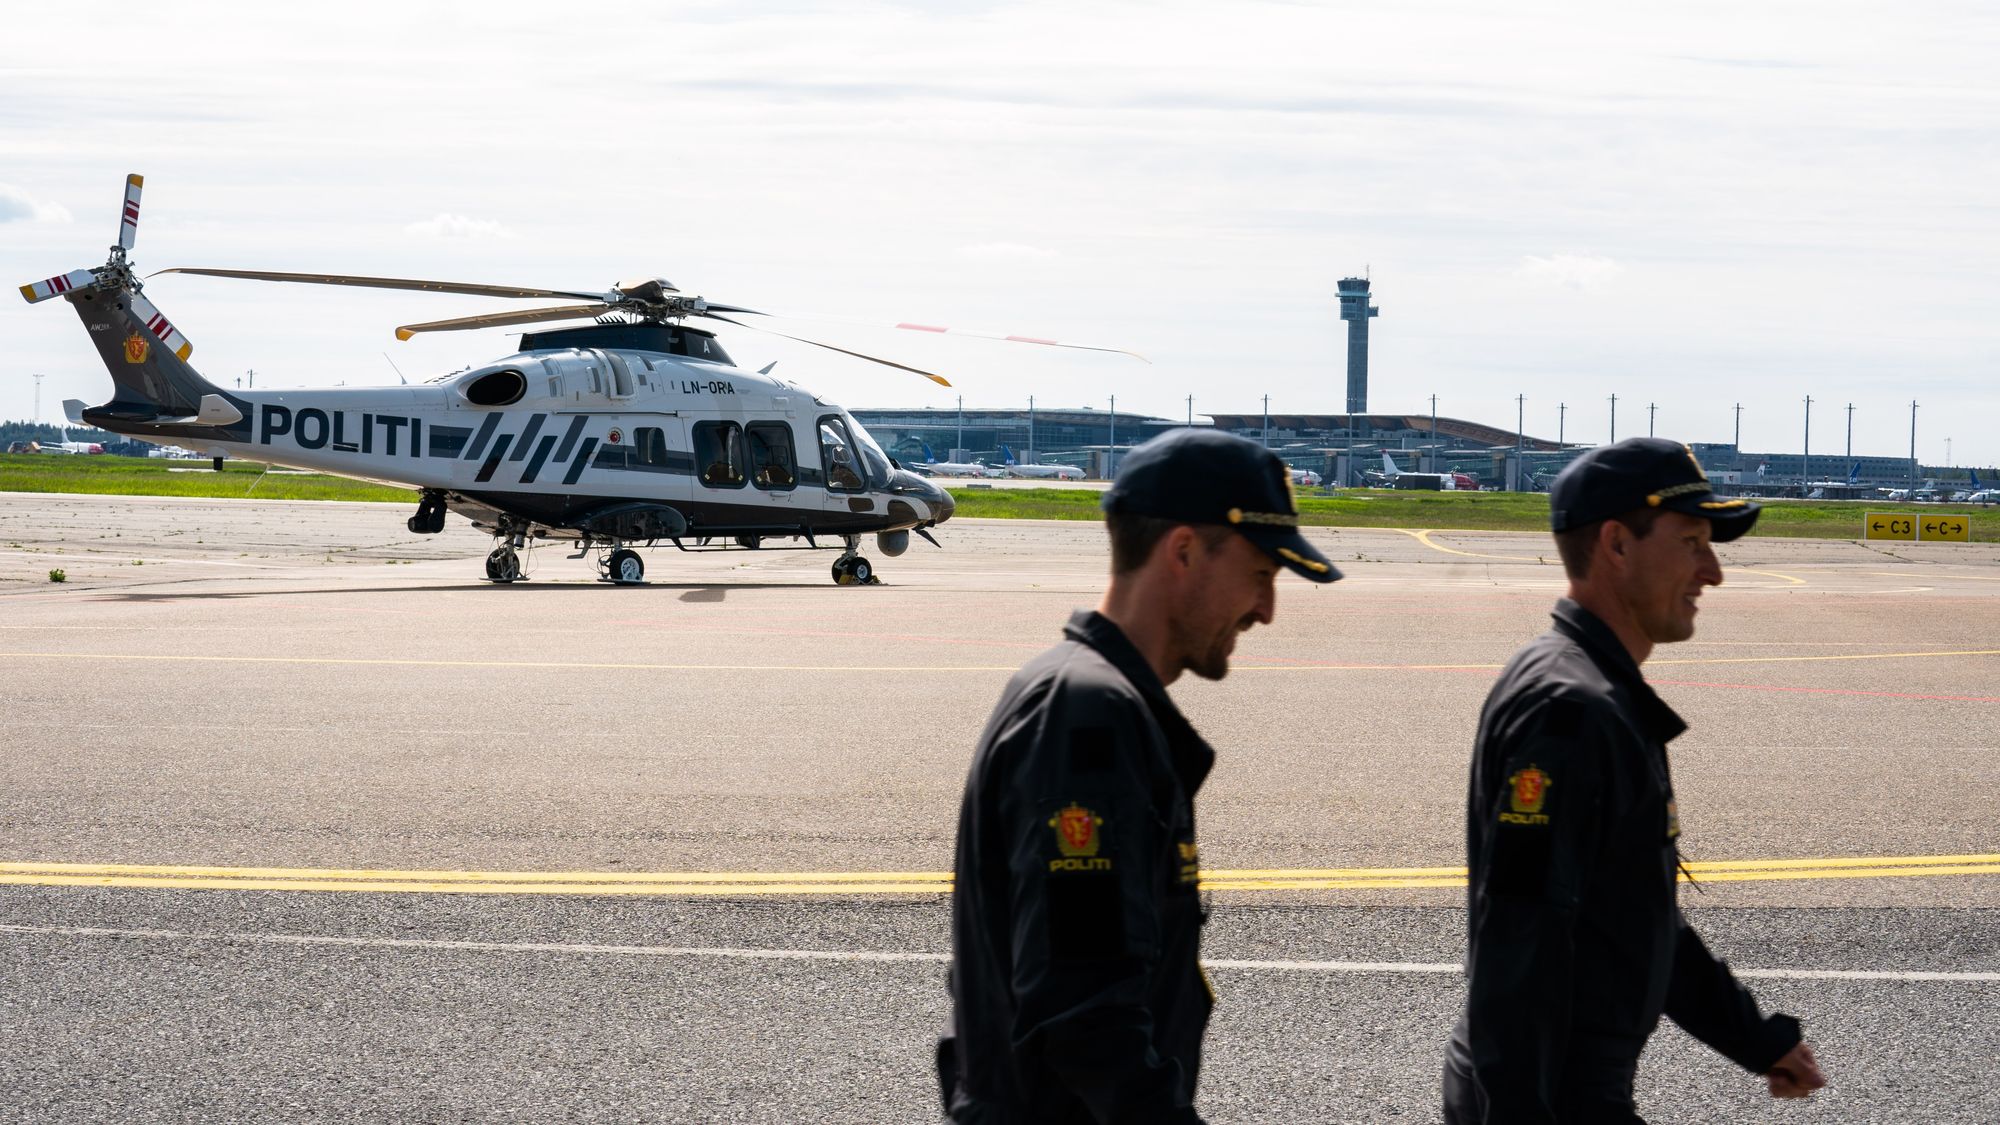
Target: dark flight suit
[[1076, 991], [1577, 941]]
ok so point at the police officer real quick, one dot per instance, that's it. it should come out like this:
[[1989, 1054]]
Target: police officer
[[1577, 943], [1077, 995]]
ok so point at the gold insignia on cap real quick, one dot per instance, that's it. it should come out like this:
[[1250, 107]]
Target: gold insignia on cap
[[1235, 515], [1677, 490], [1724, 503], [1294, 556]]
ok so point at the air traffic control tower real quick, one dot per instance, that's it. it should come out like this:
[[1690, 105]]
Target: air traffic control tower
[[1355, 310]]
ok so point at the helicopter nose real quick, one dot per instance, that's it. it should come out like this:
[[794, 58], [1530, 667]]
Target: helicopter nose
[[943, 505]]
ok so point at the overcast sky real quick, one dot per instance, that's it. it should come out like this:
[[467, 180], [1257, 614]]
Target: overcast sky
[[1695, 205]]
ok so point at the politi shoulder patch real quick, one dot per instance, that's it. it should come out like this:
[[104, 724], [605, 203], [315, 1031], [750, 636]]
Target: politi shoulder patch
[[1077, 838], [1526, 791]]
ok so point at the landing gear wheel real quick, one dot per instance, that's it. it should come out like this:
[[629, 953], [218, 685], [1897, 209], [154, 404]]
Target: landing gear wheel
[[856, 571], [625, 567], [503, 565]]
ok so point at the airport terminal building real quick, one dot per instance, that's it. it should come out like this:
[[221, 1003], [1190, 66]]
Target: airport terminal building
[[1343, 448]]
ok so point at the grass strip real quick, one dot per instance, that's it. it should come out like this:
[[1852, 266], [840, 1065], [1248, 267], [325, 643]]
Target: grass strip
[[1479, 511]]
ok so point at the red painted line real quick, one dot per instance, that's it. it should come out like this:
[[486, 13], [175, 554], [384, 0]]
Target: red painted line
[[922, 328], [1831, 691]]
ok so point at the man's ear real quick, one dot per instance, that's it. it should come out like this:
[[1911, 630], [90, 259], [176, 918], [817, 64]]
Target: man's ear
[[1180, 546], [1613, 540]]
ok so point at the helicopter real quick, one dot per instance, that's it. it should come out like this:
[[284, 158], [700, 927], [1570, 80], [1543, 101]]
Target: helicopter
[[630, 430]]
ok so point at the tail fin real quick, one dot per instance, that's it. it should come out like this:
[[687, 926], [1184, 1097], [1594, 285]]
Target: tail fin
[[1389, 465], [1976, 486], [1854, 473], [145, 354], [929, 457], [1006, 455]]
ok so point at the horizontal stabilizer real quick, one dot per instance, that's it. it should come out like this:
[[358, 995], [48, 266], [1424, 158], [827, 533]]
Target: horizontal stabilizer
[[215, 411], [57, 286], [73, 410]]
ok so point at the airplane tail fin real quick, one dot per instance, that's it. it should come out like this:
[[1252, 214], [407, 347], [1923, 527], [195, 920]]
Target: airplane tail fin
[[1854, 473], [1389, 465], [145, 354], [1976, 486], [929, 457], [1006, 455]]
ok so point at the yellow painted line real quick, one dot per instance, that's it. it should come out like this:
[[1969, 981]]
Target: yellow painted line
[[857, 888], [1859, 861], [122, 869], [1932, 575], [873, 882], [1424, 537], [1768, 574]]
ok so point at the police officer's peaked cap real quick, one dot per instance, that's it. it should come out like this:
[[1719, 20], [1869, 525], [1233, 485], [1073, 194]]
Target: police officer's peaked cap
[[1211, 477], [1643, 473]]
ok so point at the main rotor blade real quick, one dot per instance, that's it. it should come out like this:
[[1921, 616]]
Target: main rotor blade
[[496, 320], [128, 226], [938, 379], [1012, 339], [1021, 340], [394, 283]]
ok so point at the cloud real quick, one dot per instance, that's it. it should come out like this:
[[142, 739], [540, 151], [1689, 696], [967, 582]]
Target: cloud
[[1004, 252], [446, 225], [16, 205], [1570, 271]]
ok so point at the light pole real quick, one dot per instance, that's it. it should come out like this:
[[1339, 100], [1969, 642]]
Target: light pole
[[1651, 409], [1739, 433], [1913, 443], [37, 419], [1805, 463], [961, 427], [1031, 430], [1850, 431], [1267, 421], [1614, 419], [1190, 411], [1111, 455], [1434, 432]]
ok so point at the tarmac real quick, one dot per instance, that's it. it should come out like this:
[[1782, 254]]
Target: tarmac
[[303, 819]]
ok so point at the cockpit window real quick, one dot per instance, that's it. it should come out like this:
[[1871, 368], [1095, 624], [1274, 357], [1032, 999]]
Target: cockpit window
[[719, 454], [877, 461], [836, 452], [772, 463]]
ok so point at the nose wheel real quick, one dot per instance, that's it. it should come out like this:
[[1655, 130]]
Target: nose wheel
[[624, 567], [855, 571]]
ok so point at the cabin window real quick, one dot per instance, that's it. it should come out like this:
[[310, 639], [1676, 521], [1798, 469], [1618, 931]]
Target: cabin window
[[772, 463], [719, 454], [836, 452], [650, 445]]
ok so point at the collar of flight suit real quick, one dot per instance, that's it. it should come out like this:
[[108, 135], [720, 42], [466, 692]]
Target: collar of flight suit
[[1192, 755], [1609, 654]]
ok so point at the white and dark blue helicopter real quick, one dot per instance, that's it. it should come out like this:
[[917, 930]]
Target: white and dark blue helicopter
[[628, 431]]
